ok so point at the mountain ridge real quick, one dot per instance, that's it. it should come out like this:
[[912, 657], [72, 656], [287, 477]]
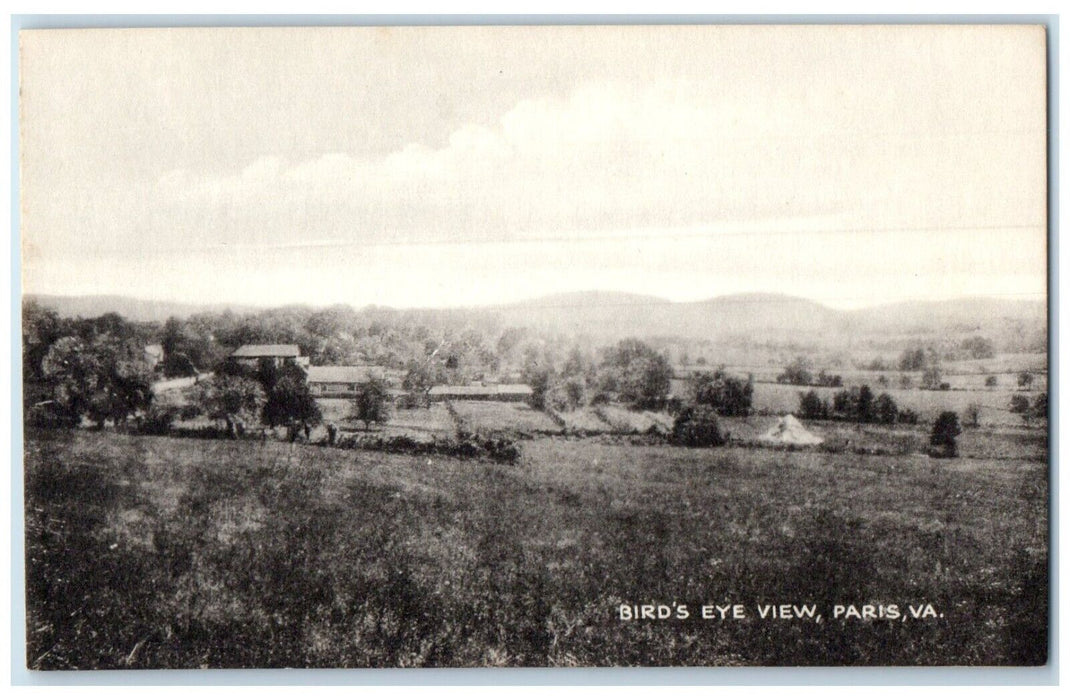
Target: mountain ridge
[[614, 313]]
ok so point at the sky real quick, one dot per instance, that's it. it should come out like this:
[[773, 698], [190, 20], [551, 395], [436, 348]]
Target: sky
[[433, 167]]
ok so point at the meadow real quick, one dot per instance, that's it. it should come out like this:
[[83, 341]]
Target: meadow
[[994, 404], [150, 552]]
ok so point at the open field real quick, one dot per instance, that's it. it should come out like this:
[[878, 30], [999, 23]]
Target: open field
[[994, 404], [960, 374], [163, 552], [585, 419], [497, 416], [626, 420], [1010, 443]]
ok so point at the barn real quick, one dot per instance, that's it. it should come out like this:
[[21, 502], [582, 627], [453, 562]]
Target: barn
[[279, 355], [342, 381]]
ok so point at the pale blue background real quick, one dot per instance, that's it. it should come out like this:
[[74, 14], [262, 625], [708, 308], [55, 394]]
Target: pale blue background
[[647, 676]]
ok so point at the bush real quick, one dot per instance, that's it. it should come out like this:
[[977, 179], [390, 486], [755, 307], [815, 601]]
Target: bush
[[797, 373], [189, 412], [811, 406], [50, 414], [1019, 403], [728, 396], [696, 426], [885, 409], [907, 417], [945, 430], [158, 420], [465, 446]]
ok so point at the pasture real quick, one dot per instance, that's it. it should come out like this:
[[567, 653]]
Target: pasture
[[994, 403], [180, 553], [503, 417]]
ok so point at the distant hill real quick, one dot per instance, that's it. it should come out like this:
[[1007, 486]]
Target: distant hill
[[604, 314], [621, 314], [957, 314], [127, 307]]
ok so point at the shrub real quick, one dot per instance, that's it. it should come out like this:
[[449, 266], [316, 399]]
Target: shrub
[[798, 373], [158, 420], [945, 430], [50, 414], [1019, 403], [991, 381], [812, 406], [885, 409], [907, 417], [729, 396], [189, 411], [371, 404], [931, 378], [696, 426]]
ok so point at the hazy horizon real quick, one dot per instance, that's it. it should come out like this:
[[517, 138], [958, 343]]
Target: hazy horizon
[[443, 167], [527, 300]]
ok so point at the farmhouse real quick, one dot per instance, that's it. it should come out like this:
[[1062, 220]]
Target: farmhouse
[[343, 382], [493, 392], [279, 355]]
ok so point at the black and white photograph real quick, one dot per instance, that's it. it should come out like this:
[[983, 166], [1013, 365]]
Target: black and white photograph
[[542, 346]]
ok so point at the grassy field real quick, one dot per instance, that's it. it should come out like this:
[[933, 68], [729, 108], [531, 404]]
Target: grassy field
[[625, 420], [163, 552], [500, 417], [585, 419], [994, 404]]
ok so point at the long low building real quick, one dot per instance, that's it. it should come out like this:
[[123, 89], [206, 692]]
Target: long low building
[[344, 381], [278, 355], [477, 392]]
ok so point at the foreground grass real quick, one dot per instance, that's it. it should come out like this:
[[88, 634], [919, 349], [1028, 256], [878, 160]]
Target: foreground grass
[[158, 552]]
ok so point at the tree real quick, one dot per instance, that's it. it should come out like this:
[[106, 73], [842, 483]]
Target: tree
[[912, 360], [419, 377], [971, 417], [812, 407], [643, 376], [978, 348], [567, 395], [729, 396], [646, 381], [991, 381], [1025, 380], [696, 426], [885, 410], [372, 405], [864, 410], [944, 433], [1040, 406], [231, 399], [930, 379], [1019, 403], [289, 401], [72, 376], [188, 347], [104, 379], [797, 372]]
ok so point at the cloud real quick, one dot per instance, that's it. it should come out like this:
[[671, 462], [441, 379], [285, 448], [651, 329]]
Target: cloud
[[612, 158]]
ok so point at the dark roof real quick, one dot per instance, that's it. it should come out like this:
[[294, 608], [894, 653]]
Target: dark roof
[[266, 351]]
